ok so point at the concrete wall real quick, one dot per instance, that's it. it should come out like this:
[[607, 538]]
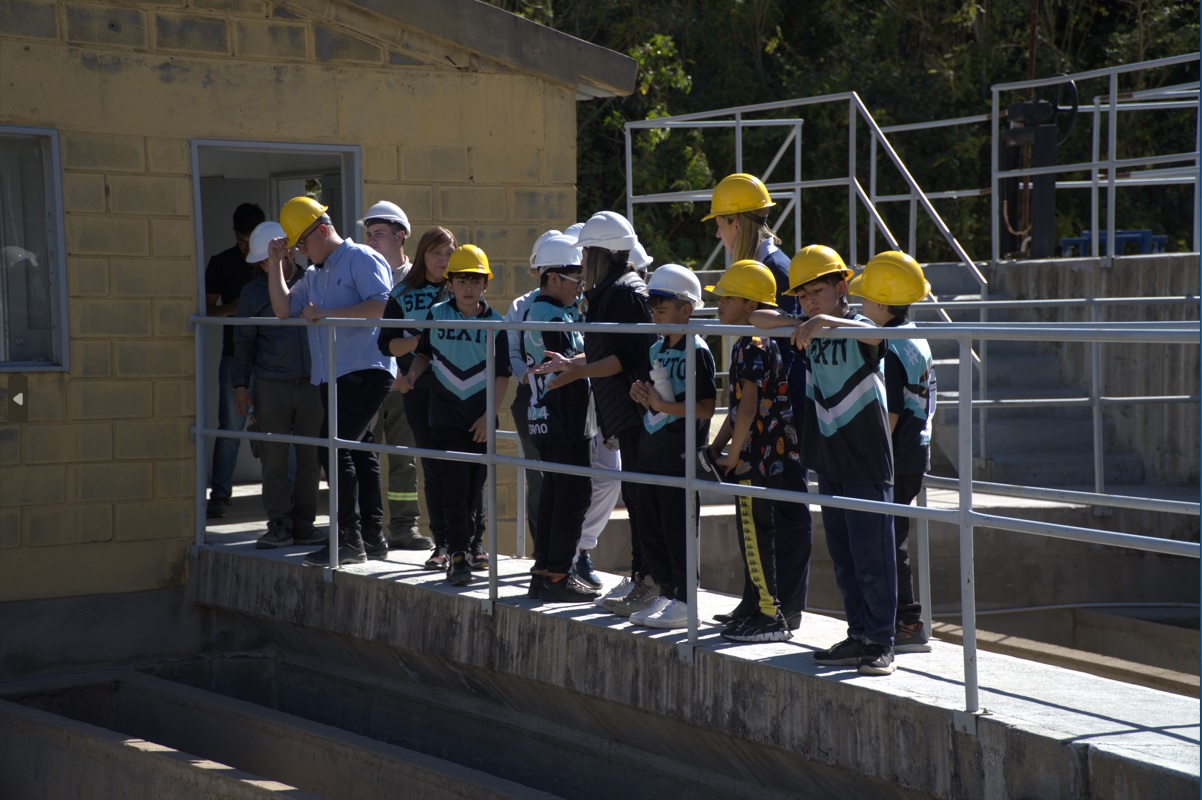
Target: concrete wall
[[96, 493], [1165, 435]]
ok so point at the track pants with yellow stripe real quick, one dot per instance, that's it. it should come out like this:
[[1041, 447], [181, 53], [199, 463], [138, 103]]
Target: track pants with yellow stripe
[[775, 538]]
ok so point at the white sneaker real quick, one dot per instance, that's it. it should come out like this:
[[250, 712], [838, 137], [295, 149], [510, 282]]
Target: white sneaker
[[657, 603], [674, 614], [616, 593]]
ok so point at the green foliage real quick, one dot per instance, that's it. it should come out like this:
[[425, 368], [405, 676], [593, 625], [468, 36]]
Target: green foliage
[[909, 61]]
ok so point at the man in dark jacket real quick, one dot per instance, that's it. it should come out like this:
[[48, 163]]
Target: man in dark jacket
[[284, 402]]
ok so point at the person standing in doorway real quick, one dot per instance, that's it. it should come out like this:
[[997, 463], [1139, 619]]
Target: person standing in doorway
[[226, 274], [386, 227], [352, 282]]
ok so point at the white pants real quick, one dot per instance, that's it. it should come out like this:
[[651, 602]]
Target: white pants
[[605, 493]]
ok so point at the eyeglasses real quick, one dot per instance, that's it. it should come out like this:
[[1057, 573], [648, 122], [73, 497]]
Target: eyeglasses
[[300, 243], [577, 281]]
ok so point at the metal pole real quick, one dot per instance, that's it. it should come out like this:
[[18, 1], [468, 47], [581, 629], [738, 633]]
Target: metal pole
[[1094, 197], [490, 447], [851, 184], [332, 448], [1095, 402], [1112, 134], [994, 201], [872, 195], [629, 178], [202, 442], [913, 224], [522, 522], [692, 522], [738, 142], [797, 191], [1197, 179], [968, 600], [922, 543]]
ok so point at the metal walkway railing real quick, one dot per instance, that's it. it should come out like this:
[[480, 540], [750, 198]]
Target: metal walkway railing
[[965, 517]]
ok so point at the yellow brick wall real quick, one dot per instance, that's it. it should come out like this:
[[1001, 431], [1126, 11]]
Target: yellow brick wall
[[97, 489]]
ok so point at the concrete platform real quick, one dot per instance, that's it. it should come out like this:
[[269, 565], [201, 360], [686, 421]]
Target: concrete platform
[[1044, 732]]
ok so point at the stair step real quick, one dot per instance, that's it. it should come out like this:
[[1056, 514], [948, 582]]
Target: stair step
[[1032, 373], [1057, 468]]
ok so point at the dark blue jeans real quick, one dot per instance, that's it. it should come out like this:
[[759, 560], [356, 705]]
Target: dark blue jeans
[[360, 394], [862, 549], [225, 451]]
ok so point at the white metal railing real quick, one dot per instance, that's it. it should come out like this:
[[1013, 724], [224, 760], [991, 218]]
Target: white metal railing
[[964, 516]]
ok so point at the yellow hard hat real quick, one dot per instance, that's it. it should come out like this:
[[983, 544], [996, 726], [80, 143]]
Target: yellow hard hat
[[813, 262], [748, 279], [891, 279], [738, 193], [297, 215], [469, 259]]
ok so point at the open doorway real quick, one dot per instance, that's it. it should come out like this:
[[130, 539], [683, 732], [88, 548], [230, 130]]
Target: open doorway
[[227, 174]]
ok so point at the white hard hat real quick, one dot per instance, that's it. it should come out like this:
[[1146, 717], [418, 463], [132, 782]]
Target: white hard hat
[[389, 212], [673, 280], [555, 250], [608, 231], [640, 257], [539, 241], [573, 230], [14, 255], [260, 237]]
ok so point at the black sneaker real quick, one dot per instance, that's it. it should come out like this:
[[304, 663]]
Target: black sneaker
[[536, 585], [740, 612], [793, 618], [376, 551], [759, 628], [478, 556], [438, 559], [877, 660], [566, 590], [845, 654], [911, 640], [346, 555], [585, 572], [217, 507], [459, 573]]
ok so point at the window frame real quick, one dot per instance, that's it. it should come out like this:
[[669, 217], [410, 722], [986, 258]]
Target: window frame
[[57, 240]]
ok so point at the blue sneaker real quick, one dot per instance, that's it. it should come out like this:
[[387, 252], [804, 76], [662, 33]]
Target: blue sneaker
[[583, 569]]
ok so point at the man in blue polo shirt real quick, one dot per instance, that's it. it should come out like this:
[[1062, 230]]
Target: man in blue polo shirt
[[349, 281]]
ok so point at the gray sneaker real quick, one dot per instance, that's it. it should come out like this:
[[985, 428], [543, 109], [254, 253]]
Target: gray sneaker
[[278, 535], [307, 534], [911, 641], [641, 596]]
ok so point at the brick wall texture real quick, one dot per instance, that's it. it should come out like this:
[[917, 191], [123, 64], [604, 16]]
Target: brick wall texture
[[97, 488]]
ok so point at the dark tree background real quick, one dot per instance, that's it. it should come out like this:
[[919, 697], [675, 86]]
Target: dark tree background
[[909, 60]]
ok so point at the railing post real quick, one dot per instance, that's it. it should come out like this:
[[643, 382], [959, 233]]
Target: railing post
[[629, 178], [797, 190], [202, 442], [922, 544], [1095, 403], [968, 599], [522, 522], [1112, 136], [851, 183], [332, 446], [994, 190], [490, 447], [872, 194], [739, 142], [692, 541], [1094, 199]]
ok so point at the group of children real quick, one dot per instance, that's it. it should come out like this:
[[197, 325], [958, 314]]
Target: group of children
[[856, 411]]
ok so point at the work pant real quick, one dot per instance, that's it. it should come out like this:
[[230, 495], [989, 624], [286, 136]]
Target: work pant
[[561, 510], [665, 531], [604, 495], [865, 558], [392, 427], [906, 487], [793, 545], [534, 478], [290, 407], [462, 487], [360, 394], [225, 451]]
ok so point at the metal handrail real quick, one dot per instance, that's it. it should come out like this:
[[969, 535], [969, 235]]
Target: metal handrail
[[964, 515]]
